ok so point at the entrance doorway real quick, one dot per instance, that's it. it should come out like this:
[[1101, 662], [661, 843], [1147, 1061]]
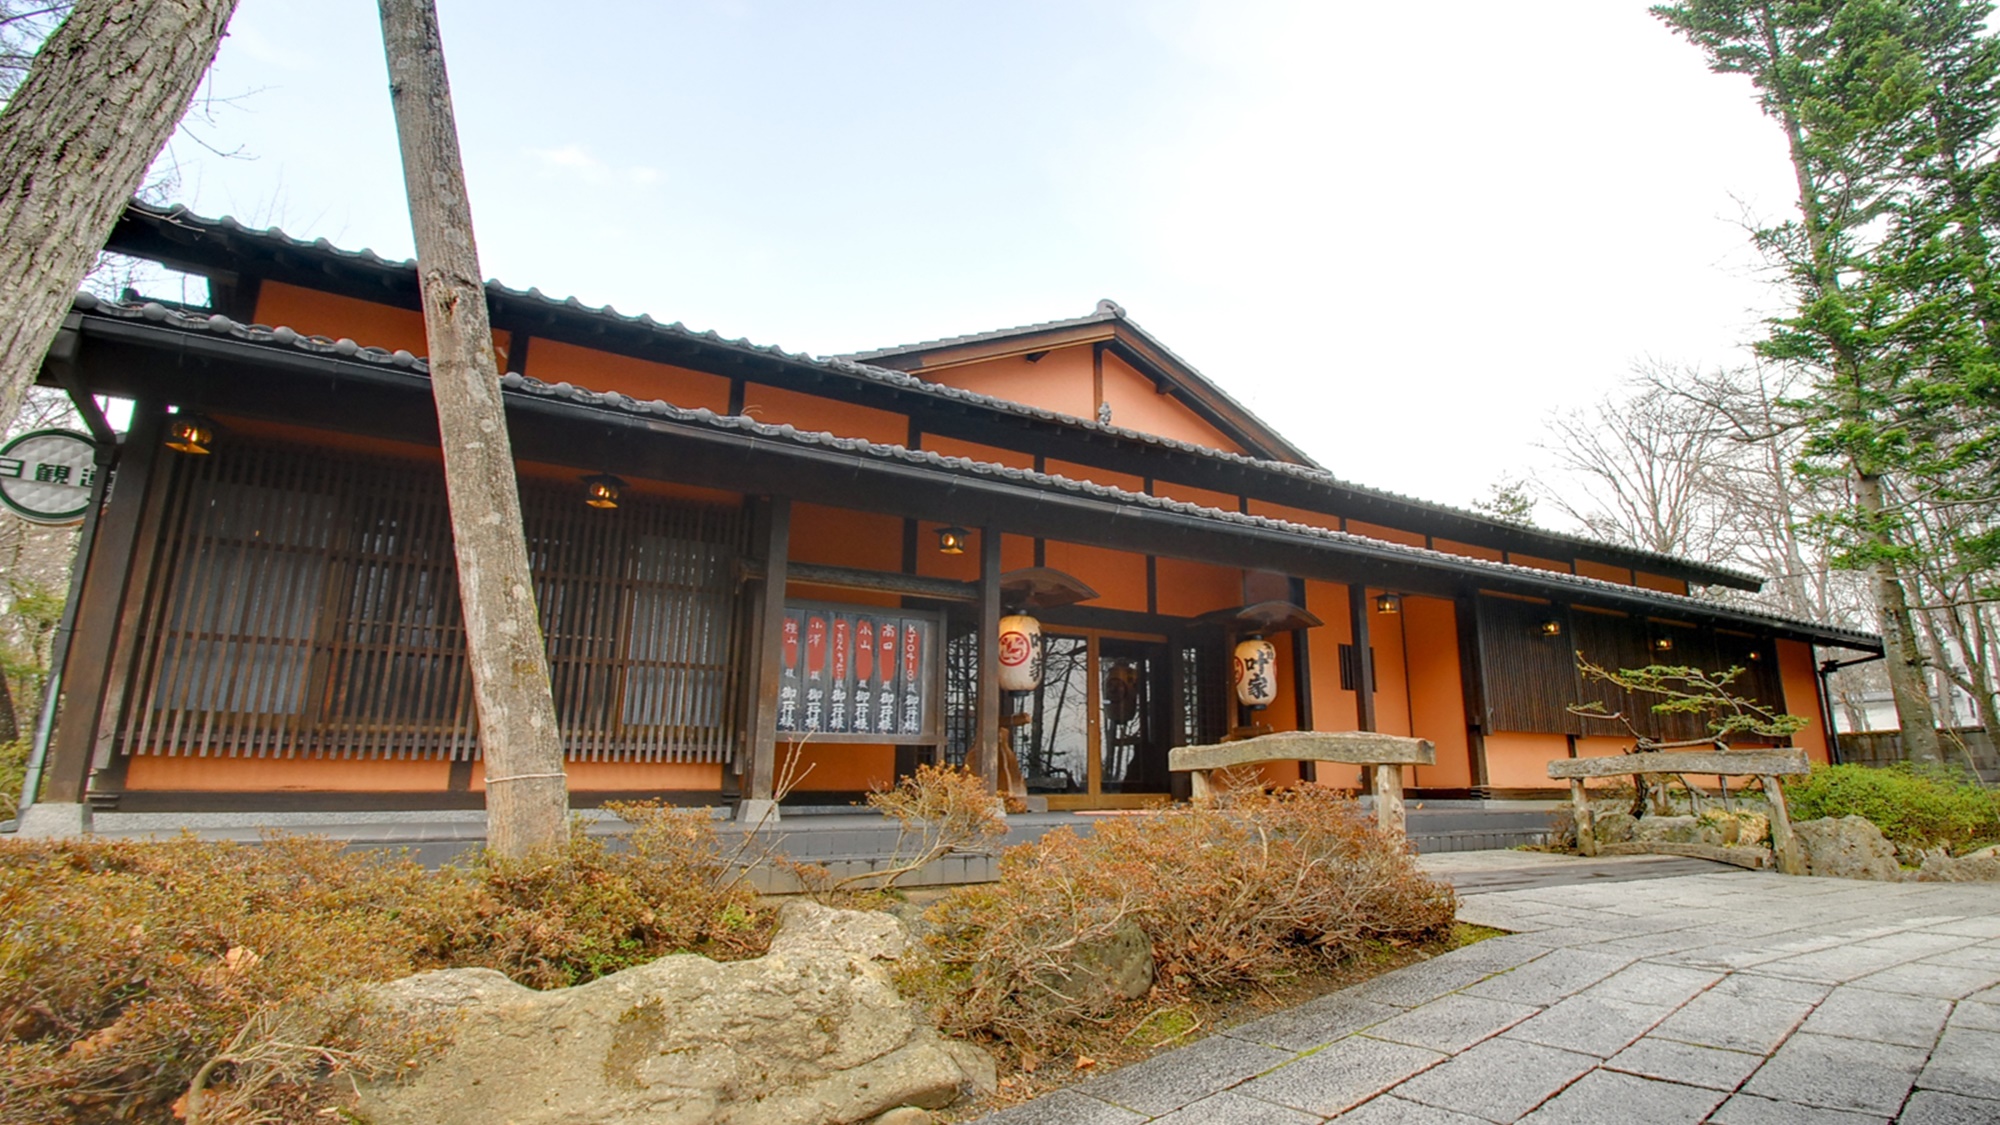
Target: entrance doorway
[[1096, 733]]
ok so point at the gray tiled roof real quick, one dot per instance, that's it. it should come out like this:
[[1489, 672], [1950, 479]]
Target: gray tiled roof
[[406, 268], [1555, 583]]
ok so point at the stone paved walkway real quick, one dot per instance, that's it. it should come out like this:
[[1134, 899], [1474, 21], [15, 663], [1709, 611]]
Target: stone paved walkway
[[1725, 996]]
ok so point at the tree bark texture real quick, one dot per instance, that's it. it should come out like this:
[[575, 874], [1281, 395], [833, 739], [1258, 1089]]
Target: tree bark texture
[[527, 796], [1901, 648], [99, 102]]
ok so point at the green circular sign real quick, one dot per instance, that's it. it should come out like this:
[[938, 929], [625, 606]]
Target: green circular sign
[[46, 475]]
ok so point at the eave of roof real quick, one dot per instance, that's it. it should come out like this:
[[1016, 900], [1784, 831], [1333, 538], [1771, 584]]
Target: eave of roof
[[171, 329], [397, 279]]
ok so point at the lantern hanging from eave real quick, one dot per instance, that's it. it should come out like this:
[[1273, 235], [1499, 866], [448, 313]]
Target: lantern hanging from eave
[[1256, 672], [1020, 653]]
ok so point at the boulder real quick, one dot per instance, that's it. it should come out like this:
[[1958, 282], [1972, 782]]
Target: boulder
[[1666, 830], [1848, 847], [1975, 868], [1117, 967], [1613, 827], [812, 1033]]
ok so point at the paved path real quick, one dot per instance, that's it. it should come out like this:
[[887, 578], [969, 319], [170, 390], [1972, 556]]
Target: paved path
[[1638, 996]]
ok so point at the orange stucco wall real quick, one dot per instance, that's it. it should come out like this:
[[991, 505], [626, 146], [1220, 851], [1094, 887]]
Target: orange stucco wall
[[1060, 380], [1604, 571], [1190, 589], [1801, 681], [777, 406], [843, 537], [1521, 761], [1392, 685], [1661, 582], [323, 775], [1468, 550], [1222, 501], [1119, 578], [1437, 700], [553, 361], [365, 322], [1519, 559], [1333, 709], [1074, 471], [1136, 405], [1290, 514], [992, 454], [627, 777], [1386, 534], [826, 767]]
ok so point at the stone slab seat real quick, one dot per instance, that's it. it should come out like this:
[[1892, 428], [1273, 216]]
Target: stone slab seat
[[1388, 753], [1765, 765]]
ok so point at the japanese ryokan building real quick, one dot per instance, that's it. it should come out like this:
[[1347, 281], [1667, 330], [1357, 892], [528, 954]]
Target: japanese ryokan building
[[773, 591]]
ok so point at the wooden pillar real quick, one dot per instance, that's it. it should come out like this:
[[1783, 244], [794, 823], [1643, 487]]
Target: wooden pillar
[[86, 669], [1389, 797], [987, 713], [1586, 823], [1364, 666], [1472, 681], [1784, 845], [773, 532], [1302, 686]]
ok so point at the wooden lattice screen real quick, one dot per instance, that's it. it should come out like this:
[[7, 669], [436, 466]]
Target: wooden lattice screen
[[307, 604]]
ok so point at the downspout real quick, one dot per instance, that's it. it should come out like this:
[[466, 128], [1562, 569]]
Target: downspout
[[45, 723], [1827, 668]]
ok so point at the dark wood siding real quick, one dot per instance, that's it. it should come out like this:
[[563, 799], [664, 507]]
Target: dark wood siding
[[1530, 677], [307, 604]]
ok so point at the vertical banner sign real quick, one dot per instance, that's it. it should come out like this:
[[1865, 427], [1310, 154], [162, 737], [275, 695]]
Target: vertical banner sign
[[913, 678], [816, 671], [788, 680], [864, 676], [843, 653], [885, 660], [849, 670]]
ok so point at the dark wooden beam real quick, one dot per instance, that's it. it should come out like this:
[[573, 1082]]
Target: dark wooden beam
[[987, 713], [87, 667], [773, 536], [1364, 664], [879, 581], [1472, 681]]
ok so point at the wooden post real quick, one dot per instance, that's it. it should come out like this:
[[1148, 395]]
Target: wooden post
[[87, 666], [1586, 823], [774, 532], [1364, 668], [527, 793], [1198, 787], [1389, 797], [986, 719], [1784, 845]]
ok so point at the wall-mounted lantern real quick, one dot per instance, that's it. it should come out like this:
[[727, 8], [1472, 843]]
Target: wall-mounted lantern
[[952, 540], [1256, 679], [601, 491], [1388, 603], [189, 433], [1663, 644], [1020, 653], [1551, 628]]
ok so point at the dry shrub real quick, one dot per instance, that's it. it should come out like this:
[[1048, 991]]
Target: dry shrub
[[1227, 894], [552, 921], [126, 966]]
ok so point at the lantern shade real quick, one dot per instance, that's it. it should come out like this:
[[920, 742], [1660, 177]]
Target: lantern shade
[[189, 433], [1256, 672], [1042, 587], [1020, 653]]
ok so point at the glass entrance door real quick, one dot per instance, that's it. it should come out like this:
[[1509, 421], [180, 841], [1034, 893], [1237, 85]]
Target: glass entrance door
[[1096, 732]]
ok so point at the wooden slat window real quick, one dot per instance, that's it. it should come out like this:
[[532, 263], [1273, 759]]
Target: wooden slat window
[[307, 604]]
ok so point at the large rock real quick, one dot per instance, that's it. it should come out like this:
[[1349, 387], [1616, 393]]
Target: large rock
[[813, 1033], [1116, 967], [1848, 847], [1613, 827], [1666, 829], [1976, 868]]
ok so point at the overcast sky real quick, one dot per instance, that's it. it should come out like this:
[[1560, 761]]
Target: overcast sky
[[1401, 233]]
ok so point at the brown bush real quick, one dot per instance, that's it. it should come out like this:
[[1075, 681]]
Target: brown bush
[[1226, 894], [558, 920], [126, 967]]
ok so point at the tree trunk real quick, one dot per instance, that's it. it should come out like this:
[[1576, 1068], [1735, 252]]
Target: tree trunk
[[1902, 651], [102, 97], [527, 797]]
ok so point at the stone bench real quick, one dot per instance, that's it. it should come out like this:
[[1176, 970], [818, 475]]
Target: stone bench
[[1388, 753], [1765, 765]]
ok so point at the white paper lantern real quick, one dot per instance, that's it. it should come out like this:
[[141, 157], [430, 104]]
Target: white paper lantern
[[1020, 653], [1256, 673]]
